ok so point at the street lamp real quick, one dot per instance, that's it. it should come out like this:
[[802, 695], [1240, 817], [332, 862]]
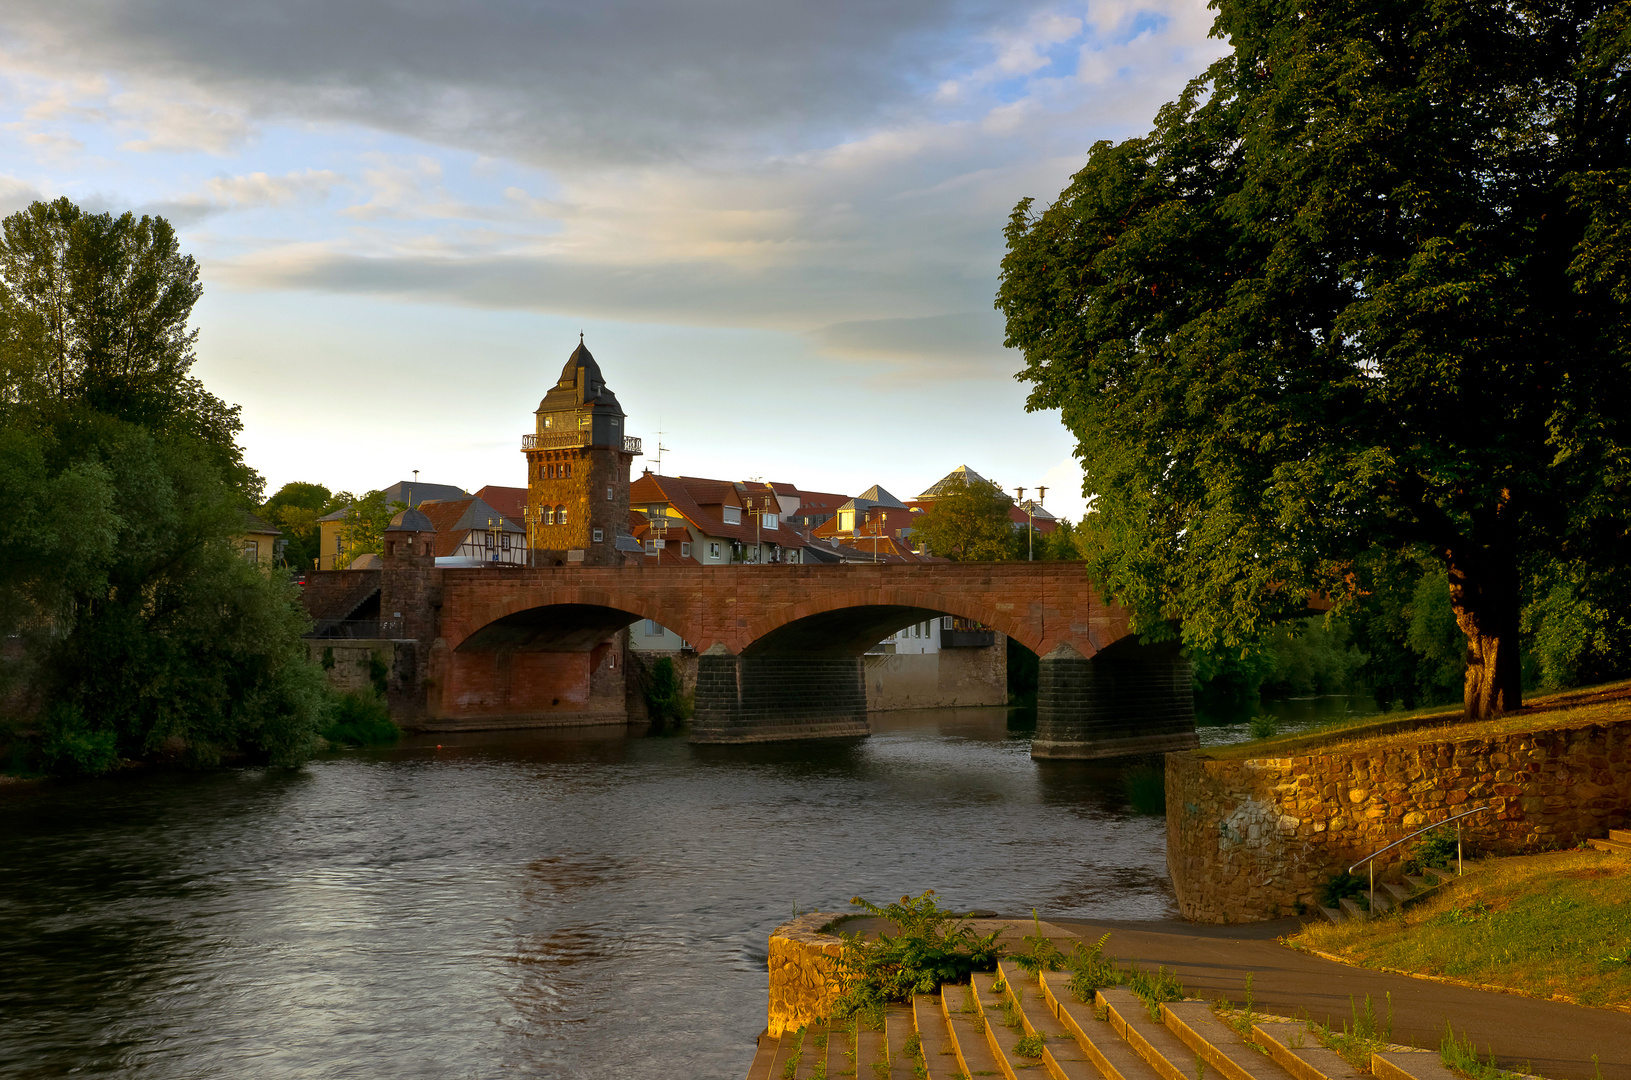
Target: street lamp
[[495, 529], [1030, 509]]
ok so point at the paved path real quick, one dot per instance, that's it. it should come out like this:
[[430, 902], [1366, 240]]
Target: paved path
[[1550, 1038]]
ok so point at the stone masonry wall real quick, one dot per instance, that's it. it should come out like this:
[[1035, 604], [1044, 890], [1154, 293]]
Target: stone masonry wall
[[950, 677], [803, 975], [762, 699], [1130, 699], [1252, 840]]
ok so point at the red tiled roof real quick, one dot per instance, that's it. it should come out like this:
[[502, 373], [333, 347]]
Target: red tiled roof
[[688, 495], [509, 501], [451, 528]]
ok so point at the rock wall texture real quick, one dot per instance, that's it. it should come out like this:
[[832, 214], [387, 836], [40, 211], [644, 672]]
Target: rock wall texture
[[803, 980], [1251, 840]]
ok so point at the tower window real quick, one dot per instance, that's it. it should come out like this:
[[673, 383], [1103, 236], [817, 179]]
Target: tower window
[[549, 515], [585, 420], [608, 493], [560, 515], [569, 470], [599, 535], [614, 423], [549, 422]]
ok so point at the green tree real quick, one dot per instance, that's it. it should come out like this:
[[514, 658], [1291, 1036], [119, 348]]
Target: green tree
[[142, 629], [1365, 284], [969, 522], [295, 509], [366, 519]]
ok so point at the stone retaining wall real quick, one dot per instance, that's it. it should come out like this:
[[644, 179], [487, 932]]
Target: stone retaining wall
[[803, 983], [1253, 839]]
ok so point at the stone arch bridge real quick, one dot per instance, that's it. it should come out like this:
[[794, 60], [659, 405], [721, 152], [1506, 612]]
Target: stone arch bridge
[[779, 645]]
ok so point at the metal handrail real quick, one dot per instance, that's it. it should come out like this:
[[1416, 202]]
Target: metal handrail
[[1453, 817]]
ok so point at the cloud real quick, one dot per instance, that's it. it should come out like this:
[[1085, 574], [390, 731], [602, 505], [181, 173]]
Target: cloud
[[15, 194]]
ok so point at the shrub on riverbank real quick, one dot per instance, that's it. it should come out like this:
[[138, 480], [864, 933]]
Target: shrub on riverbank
[[1548, 925], [361, 720], [931, 946]]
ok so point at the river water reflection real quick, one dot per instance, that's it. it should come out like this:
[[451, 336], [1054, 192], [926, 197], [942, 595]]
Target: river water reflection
[[583, 903]]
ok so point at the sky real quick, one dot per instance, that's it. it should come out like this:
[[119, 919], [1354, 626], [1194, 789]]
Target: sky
[[777, 225]]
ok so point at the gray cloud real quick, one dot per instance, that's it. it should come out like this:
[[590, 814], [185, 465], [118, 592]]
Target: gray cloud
[[555, 80]]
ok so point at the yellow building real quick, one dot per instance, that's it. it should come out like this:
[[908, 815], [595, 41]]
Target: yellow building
[[259, 541]]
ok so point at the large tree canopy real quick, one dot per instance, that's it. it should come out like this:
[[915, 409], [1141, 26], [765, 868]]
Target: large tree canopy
[[1364, 286], [142, 629]]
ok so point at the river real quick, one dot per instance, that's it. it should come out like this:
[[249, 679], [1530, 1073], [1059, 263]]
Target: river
[[570, 903]]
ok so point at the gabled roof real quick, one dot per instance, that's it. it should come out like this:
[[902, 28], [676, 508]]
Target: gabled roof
[[962, 472], [255, 526], [509, 501], [455, 520], [412, 492], [694, 499]]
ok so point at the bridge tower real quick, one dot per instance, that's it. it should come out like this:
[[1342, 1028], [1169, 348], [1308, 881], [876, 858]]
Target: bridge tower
[[578, 461]]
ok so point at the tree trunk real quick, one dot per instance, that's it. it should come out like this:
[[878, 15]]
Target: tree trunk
[[1484, 595]]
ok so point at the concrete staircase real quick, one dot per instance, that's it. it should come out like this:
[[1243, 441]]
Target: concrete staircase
[[1618, 840], [1392, 895], [1016, 1026]]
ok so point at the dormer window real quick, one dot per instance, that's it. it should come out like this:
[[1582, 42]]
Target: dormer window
[[549, 422], [614, 423], [732, 514]]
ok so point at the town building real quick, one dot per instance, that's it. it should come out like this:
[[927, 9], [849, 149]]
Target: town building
[[578, 461], [259, 542], [331, 538], [714, 521], [472, 532]]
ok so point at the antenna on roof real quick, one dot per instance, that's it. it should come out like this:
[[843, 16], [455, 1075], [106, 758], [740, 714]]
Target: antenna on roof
[[660, 449]]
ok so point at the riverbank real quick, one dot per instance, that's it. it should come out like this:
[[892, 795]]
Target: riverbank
[[1257, 830], [1550, 926], [1607, 703]]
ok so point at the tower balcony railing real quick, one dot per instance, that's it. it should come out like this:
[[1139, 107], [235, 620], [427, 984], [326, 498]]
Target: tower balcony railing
[[559, 440], [555, 440]]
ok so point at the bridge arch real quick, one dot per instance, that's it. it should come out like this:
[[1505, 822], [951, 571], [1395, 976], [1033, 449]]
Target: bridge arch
[[561, 619]]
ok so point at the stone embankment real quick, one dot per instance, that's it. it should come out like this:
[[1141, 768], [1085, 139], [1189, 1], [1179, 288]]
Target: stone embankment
[[1254, 839]]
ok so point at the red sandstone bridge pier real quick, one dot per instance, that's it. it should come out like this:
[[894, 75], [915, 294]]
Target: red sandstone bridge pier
[[779, 646]]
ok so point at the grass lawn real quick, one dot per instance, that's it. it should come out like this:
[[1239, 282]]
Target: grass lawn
[[1366, 734], [1553, 925]]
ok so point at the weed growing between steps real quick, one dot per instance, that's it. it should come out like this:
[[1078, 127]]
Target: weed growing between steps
[[1364, 1037], [1549, 926], [1030, 1046], [820, 1070], [1461, 1056], [794, 1055], [1090, 970], [932, 946]]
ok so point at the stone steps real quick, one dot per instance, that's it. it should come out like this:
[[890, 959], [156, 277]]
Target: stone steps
[[1618, 840], [1012, 1025]]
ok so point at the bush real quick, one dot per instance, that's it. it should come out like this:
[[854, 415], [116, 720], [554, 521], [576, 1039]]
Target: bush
[[933, 947], [71, 746], [361, 720], [664, 701], [1437, 848], [1146, 787], [1339, 887], [1265, 726], [1089, 969]]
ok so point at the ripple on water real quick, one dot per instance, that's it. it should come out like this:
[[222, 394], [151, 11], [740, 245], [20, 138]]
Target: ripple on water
[[568, 903]]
